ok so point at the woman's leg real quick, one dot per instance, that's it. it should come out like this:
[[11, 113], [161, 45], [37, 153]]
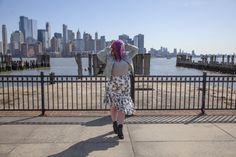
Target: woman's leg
[[113, 112], [121, 117]]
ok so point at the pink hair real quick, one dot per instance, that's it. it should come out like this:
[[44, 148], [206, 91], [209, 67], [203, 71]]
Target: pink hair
[[118, 48]]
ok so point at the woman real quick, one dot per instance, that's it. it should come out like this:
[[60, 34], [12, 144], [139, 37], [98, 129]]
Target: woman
[[118, 68]]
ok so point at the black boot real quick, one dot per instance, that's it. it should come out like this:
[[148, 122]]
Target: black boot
[[115, 127], [120, 131]]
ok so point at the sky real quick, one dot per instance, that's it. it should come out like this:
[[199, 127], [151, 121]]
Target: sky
[[206, 26]]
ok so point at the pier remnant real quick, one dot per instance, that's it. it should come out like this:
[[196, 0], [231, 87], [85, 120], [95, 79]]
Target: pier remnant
[[222, 67], [8, 64]]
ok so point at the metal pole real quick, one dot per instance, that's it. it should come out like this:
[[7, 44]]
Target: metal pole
[[42, 93], [203, 92]]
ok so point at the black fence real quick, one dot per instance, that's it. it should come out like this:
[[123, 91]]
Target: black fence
[[65, 93]]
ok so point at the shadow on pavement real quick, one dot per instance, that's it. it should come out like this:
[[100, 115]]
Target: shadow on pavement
[[84, 148], [99, 121]]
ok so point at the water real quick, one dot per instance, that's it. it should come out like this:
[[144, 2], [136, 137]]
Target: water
[[68, 66]]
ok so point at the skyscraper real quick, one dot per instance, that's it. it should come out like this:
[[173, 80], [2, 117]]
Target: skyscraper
[[58, 35], [1, 50], [4, 39], [71, 35], [65, 34], [103, 42], [43, 37], [29, 28], [125, 38], [34, 31], [78, 35], [95, 42], [139, 42], [54, 46], [48, 29], [17, 38]]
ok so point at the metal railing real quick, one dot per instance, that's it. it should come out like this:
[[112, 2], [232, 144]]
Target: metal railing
[[63, 93]]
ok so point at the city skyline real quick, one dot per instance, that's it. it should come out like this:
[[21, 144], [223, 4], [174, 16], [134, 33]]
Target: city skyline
[[204, 26]]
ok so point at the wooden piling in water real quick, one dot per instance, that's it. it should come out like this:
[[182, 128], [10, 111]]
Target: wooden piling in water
[[78, 59], [138, 64], [90, 56], [146, 60]]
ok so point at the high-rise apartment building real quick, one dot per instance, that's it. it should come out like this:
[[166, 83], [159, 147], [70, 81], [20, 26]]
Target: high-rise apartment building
[[95, 42], [78, 35], [4, 39], [79, 45], [29, 28], [65, 34], [139, 42], [54, 45], [71, 35], [102, 42], [38, 48], [43, 37], [48, 29], [125, 38], [58, 35], [17, 38], [88, 42], [1, 48]]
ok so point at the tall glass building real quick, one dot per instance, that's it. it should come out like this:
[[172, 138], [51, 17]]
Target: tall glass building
[[29, 28]]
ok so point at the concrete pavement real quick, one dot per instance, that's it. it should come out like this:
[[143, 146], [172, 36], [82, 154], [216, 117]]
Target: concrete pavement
[[145, 136]]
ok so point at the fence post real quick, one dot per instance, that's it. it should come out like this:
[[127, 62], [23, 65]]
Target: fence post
[[42, 93], [203, 92], [132, 86]]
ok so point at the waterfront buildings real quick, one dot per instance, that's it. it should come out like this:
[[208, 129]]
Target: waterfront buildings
[[30, 41]]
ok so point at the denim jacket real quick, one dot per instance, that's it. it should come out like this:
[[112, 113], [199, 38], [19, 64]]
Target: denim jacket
[[106, 57]]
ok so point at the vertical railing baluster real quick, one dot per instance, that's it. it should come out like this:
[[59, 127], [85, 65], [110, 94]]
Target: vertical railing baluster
[[13, 92], [42, 93], [194, 88], [32, 89], [213, 93], [227, 90], [171, 79], [3, 94], [222, 97], [8, 94], [176, 92], [203, 92], [218, 91], [18, 93], [27, 85], [231, 97], [189, 94], [185, 91], [180, 92], [166, 93]]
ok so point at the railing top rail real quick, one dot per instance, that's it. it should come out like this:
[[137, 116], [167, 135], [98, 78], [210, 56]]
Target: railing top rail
[[137, 76]]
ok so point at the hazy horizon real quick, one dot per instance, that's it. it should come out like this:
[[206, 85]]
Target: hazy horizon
[[206, 26]]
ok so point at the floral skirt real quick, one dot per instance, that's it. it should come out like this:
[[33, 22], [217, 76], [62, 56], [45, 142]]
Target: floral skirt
[[118, 94]]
